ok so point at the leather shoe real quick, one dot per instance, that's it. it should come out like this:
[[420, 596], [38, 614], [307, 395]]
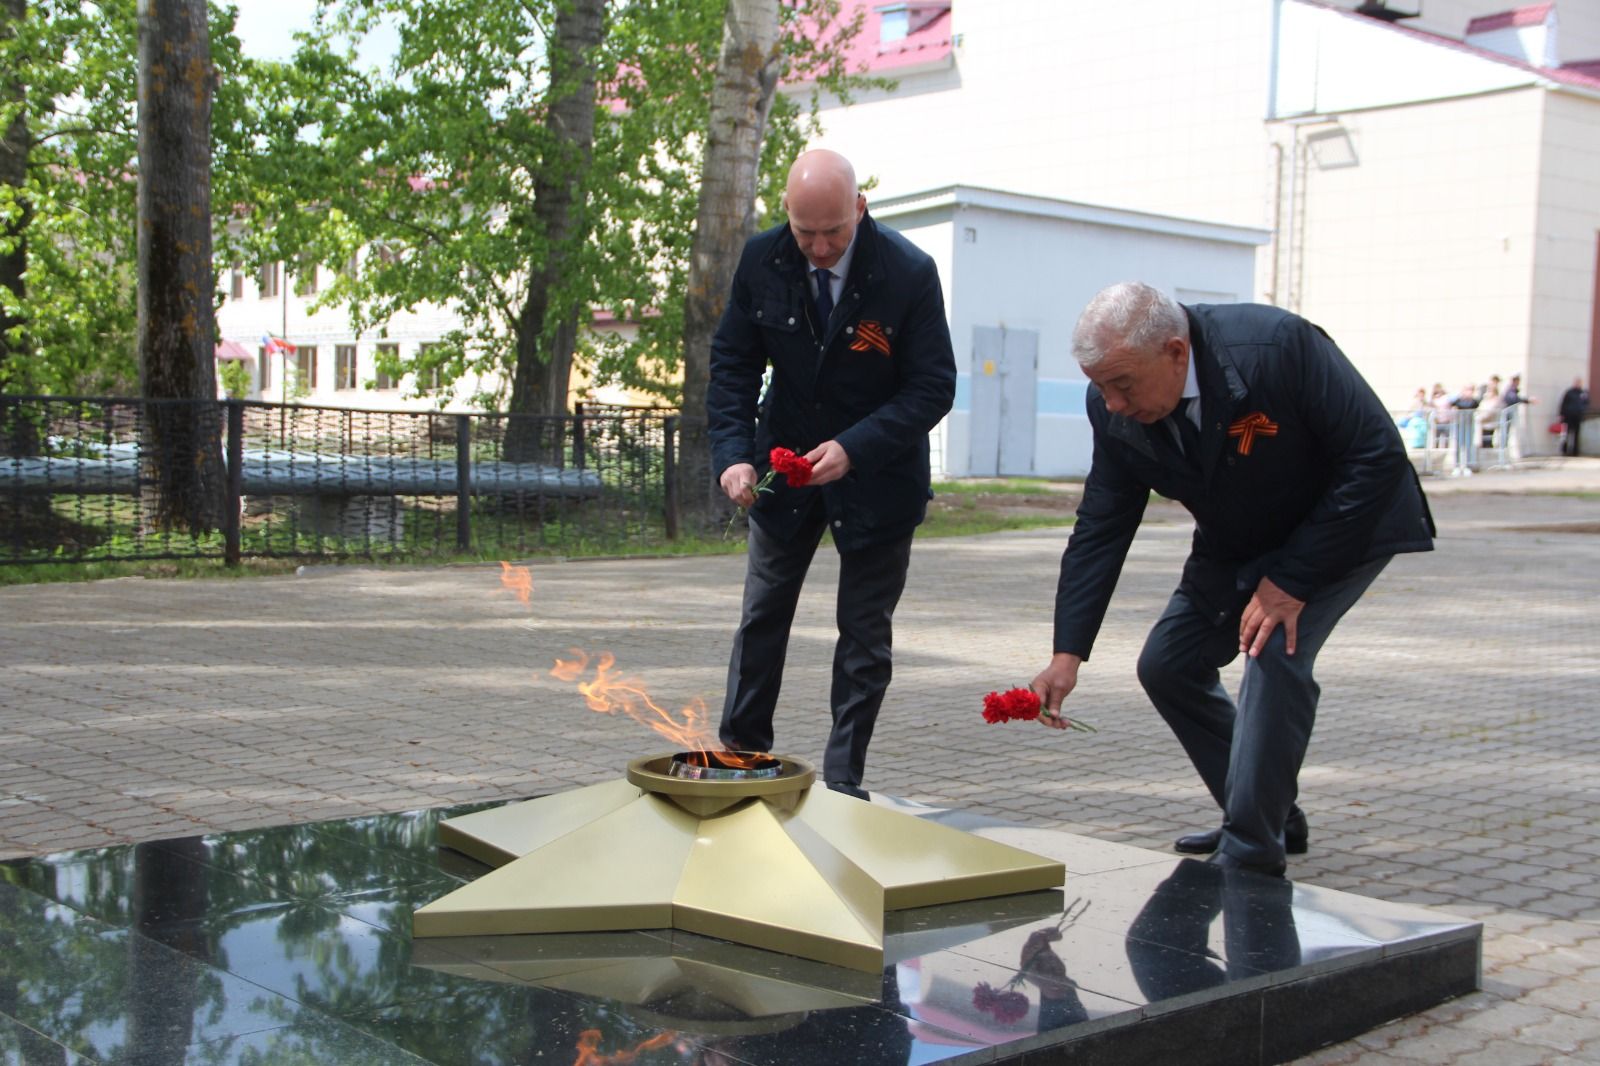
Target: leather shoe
[[847, 789], [1228, 862], [1296, 838]]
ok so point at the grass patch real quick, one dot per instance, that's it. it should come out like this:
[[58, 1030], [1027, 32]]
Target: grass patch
[[959, 525], [98, 570], [1005, 486]]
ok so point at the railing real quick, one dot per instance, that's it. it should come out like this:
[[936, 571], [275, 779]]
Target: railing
[[1461, 441], [109, 479]]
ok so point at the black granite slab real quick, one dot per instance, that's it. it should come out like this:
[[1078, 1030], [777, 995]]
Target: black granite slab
[[292, 945]]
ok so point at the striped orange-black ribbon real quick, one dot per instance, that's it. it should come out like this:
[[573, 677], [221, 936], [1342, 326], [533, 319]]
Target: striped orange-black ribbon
[[870, 337], [1251, 426]]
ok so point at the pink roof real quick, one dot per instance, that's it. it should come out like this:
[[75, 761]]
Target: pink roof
[[927, 43], [1531, 15]]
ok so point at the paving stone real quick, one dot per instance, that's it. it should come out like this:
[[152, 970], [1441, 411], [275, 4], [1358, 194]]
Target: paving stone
[[1486, 814]]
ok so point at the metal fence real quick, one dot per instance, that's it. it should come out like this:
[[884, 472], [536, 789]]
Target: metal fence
[[1458, 442], [119, 479]]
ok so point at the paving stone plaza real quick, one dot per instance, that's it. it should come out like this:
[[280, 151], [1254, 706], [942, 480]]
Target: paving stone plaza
[[1456, 763]]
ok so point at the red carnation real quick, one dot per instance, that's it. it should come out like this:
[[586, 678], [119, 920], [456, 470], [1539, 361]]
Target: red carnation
[[1020, 705], [796, 468], [1005, 1006]]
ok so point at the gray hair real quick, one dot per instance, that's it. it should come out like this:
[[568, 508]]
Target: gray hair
[[1129, 314]]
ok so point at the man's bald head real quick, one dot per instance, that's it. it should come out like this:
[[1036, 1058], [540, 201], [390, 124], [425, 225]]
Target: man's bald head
[[824, 205]]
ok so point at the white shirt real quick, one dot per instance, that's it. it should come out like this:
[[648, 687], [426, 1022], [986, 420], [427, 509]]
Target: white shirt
[[1191, 392]]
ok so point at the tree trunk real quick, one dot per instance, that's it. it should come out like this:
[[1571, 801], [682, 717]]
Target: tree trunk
[[741, 98], [543, 369], [13, 175], [177, 355]]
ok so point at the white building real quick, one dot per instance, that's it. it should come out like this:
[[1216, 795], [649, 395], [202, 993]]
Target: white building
[[1430, 186], [331, 365], [1017, 269]]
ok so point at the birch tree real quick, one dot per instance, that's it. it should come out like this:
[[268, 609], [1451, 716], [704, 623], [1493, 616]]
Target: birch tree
[[747, 72]]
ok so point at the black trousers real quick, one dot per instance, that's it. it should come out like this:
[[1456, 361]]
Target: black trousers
[[1248, 753], [870, 583], [1569, 441]]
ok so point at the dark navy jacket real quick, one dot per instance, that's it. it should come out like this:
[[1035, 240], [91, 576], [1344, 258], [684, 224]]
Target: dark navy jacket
[[1301, 476], [877, 380]]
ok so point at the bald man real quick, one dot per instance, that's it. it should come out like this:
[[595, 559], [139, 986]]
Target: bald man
[[849, 317]]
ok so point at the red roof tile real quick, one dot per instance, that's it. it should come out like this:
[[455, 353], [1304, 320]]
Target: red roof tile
[[1531, 15], [929, 42]]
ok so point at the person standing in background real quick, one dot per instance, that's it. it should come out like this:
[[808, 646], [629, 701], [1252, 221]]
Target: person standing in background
[[1574, 404]]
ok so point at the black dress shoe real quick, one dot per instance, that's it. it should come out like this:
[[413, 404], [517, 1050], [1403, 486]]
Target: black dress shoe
[[1228, 862], [1296, 838], [847, 789]]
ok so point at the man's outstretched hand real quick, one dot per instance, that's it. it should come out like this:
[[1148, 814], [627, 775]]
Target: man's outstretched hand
[[1054, 683]]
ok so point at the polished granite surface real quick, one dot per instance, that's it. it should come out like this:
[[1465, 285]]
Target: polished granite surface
[[292, 945]]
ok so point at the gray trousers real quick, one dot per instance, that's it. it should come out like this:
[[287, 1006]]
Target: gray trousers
[[1249, 753], [870, 583]]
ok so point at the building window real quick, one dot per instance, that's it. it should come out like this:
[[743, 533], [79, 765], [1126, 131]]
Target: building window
[[264, 361], [236, 282], [305, 366], [344, 366], [388, 354], [267, 282]]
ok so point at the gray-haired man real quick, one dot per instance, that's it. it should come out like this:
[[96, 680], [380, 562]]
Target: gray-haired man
[[1301, 492]]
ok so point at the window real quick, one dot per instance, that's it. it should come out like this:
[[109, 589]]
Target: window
[[267, 282], [387, 353], [344, 366], [305, 366], [236, 282], [264, 361]]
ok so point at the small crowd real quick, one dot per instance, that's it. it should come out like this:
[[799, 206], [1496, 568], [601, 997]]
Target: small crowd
[[1484, 416]]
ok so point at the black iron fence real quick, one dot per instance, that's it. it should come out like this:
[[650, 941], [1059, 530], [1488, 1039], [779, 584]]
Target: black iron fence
[[119, 479]]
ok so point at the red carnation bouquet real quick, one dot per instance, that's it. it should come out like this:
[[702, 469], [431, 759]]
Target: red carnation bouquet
[[796, 470], [1021, 705]]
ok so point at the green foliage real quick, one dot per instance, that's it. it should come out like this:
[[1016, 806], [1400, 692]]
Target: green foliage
[[237, 378], [424, 172], [77, 60], [420, 175]]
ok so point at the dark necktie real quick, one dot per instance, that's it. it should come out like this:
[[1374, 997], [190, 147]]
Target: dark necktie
[[824, 296], [1188, 432]]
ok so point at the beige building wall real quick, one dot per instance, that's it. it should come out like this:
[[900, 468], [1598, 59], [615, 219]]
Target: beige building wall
[[1416, 249], [1562, 343]]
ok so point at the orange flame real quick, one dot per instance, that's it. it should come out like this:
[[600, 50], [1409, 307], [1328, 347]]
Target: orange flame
[[519, 580], [590, 1055], [609, 693]]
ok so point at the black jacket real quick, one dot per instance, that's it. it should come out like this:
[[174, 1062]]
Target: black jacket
[[839, 385], [1574, 402], [1301, 474]]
